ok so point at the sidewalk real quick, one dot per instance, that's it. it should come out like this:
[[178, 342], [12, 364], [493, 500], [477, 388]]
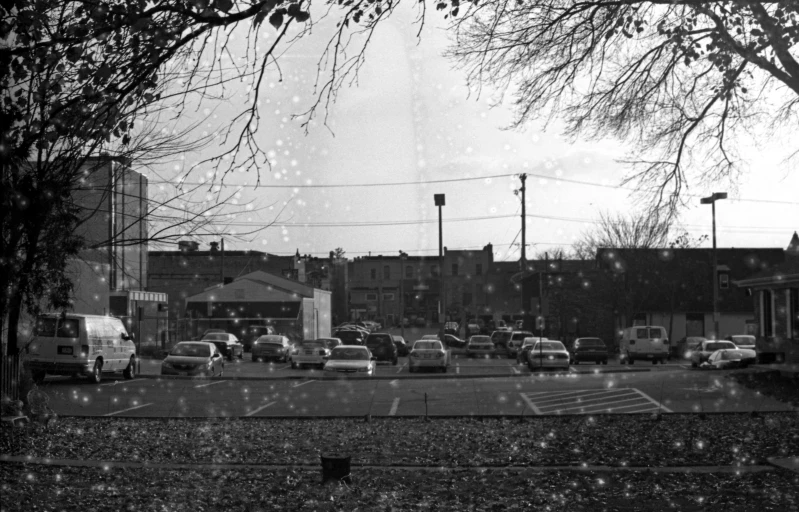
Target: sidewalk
[[791, 464], [789, 370]]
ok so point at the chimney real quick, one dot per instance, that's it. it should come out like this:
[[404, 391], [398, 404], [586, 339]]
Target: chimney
[[214, 247]]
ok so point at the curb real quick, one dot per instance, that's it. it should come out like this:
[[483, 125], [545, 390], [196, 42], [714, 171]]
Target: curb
[[415, 376], [107, 465]]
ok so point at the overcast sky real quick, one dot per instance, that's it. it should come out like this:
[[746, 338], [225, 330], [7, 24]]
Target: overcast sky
[[410, 118]]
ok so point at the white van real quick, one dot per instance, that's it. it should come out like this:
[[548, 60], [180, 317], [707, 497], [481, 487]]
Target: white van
[[80, 345], [648, 342]]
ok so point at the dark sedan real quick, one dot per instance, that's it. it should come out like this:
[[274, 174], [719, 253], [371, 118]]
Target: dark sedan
[[382, 347], [589, 349]]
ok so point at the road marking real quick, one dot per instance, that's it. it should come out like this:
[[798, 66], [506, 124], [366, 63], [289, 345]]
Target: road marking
[[120, 382], [302, 383], [260, 408], [401, 367], [209, 384], [515, 370], [393, 382], [457, 368], [572, 369], [287, 366], [578, 401], [128, 409], [394, 405]]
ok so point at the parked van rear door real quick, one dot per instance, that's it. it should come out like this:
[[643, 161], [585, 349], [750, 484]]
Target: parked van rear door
[[65, 345]]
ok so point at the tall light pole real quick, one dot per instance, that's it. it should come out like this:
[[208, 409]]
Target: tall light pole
[[439, 199], [403, 257], [711, 200]]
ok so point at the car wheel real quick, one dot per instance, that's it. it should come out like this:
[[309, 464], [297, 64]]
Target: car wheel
[[630, 360], [604, 361], [97, 372], [130, 371], [254, 359], [693, 364], [38, 377], [576, 362], [293, 365], [411, 369], [394, 362]]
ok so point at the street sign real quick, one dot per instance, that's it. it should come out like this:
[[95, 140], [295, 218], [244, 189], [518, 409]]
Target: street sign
[[539, 322]]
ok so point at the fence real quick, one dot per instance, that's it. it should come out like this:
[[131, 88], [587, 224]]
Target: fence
[[10, 377]]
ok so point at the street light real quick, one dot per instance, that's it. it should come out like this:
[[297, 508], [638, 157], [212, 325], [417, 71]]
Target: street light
[[403, 257], [439, 199], [711, 200]]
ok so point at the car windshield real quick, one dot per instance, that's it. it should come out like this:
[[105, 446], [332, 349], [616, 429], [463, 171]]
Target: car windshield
[[548, 345], [591, 342], [349, 335], [216, 337], [427, 345], [349, 354], [191, 350], [743, 340], [476, 340], [313, 344], [374, 341]]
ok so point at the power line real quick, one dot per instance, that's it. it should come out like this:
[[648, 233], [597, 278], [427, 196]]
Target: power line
[[450, 180]]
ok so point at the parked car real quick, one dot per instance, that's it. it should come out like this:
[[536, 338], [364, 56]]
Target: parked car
[[382, 347], [420, 321], [690, 344], [472, 330], [648, 342], [428, 354], [228, 344], [402, 346], [707, 347], [350, 359], [500, 339], [480, 346], [548, 354], [75, 344], [310, 353], [351, 336], [730, 358], [272, 346], [451, 328], [588, 349], [527, 344], [212, 331], [515, 341], [454, 343], [192, 358], [744, 341], [254, 332], [330, 343]]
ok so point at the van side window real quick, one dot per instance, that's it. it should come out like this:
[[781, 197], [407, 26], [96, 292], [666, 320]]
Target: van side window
[[67, 328], [640, 333]]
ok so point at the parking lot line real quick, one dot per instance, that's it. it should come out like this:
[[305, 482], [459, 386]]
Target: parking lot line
[[530, 403], [209, 384], [457, 368], [394, 405], [302, 383], [515, 370], [582, 395], [128, 409], [660, 406], [119, 382], [601, 404], [590, 401], [260, 408], [401, 367]]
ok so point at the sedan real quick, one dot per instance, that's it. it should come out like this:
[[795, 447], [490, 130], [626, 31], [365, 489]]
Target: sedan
[[480, 346], [193, 358], [402, 346], [272, 346], [730, 358], [589, 349], [746, 341], [548, 354], [707, 347], [527, 345], [428, 354], [228, 344], [310, 353], [350, 359]]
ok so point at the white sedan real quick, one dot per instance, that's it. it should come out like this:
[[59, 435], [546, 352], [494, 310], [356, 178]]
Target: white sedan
[[350, 359], [548, 354], [428, 354], [730, 358]]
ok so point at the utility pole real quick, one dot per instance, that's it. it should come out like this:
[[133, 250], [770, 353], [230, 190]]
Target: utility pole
[[440, 200], [222, 266], [523, 264]]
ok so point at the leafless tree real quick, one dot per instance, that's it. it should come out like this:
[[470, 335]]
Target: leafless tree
[[685, 81], [622, 231]]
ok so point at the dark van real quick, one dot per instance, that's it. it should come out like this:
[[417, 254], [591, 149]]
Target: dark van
[[382, 347]]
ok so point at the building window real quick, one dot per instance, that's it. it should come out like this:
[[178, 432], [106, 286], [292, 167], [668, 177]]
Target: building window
[[388, 296], [454, 269], [479, 269], [373, 273], [467, 299], [766, 313], [371, 297], [409, 272], [386, 272], [724, 281]]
